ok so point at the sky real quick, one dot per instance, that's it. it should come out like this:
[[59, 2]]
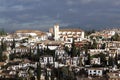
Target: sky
[[43, 14]]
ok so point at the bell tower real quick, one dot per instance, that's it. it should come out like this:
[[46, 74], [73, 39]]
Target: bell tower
[[56, 32]]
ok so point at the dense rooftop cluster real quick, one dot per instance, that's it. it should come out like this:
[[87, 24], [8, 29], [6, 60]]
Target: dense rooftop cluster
[[60, 54]]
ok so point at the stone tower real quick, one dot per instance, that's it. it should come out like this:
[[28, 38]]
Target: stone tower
[[56, 32]]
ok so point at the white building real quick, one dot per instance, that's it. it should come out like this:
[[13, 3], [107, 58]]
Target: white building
[[56, 32], [75, 61], [95, 71], [46, 59], [67, 35], [60, 54], [33, 35], [95, 61], [96, 51]]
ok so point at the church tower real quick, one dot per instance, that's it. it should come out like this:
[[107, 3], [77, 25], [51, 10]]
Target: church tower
[[56, 32]]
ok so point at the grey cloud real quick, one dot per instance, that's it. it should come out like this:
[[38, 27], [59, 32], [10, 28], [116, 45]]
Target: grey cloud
[[42, 14]]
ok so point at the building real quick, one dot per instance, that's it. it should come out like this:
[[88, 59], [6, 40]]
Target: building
[[95, 71], [34, 35], [95, 61], [67, 35], [56, 32], [112, 44], [51, 30], [46, 59], [60, 54], [52, 45], [113, 76], [96, 51]]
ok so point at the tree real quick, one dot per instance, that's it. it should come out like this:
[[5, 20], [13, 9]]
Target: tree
[[13, 44], [94, 45], [102, 57], [73, 49], [115, 37], [1, 54], [2, 32], [65, 72], [2, 48], [46, 75], [78, 52], [89, 32], [38, 50], [111, 61], [50, 52], [52, 74], [3, 45], [31, 53], [38, 71], [11, 56], [103, 46], [67, 50], [116, 59], [4, 58], [88, 59]]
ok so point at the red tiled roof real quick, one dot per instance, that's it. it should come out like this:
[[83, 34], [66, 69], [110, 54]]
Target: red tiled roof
[[72, 30]]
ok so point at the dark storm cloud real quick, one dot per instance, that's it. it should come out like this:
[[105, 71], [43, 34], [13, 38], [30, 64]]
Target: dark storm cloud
[[42, 14]]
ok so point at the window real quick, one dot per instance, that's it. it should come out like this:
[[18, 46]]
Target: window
[[90, 71], [98, 71]]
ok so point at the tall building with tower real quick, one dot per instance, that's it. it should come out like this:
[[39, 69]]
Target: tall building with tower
[[56, 32], [68, 35]]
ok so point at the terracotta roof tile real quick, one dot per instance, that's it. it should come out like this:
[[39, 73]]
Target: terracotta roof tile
[[72, 30]]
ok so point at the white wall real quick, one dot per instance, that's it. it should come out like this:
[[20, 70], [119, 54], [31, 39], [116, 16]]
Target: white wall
[[56, 32]]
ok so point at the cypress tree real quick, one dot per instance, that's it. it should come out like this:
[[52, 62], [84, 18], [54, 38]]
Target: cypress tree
[[13, 44], [38, 51], [52, 74], [73, 49], [1, 54], [116, 59], [38, 71], [3, 45], [111, 61], [46, 75], [94, 45]]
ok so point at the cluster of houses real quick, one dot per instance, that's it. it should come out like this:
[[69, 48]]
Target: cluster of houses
[[101, 61]]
